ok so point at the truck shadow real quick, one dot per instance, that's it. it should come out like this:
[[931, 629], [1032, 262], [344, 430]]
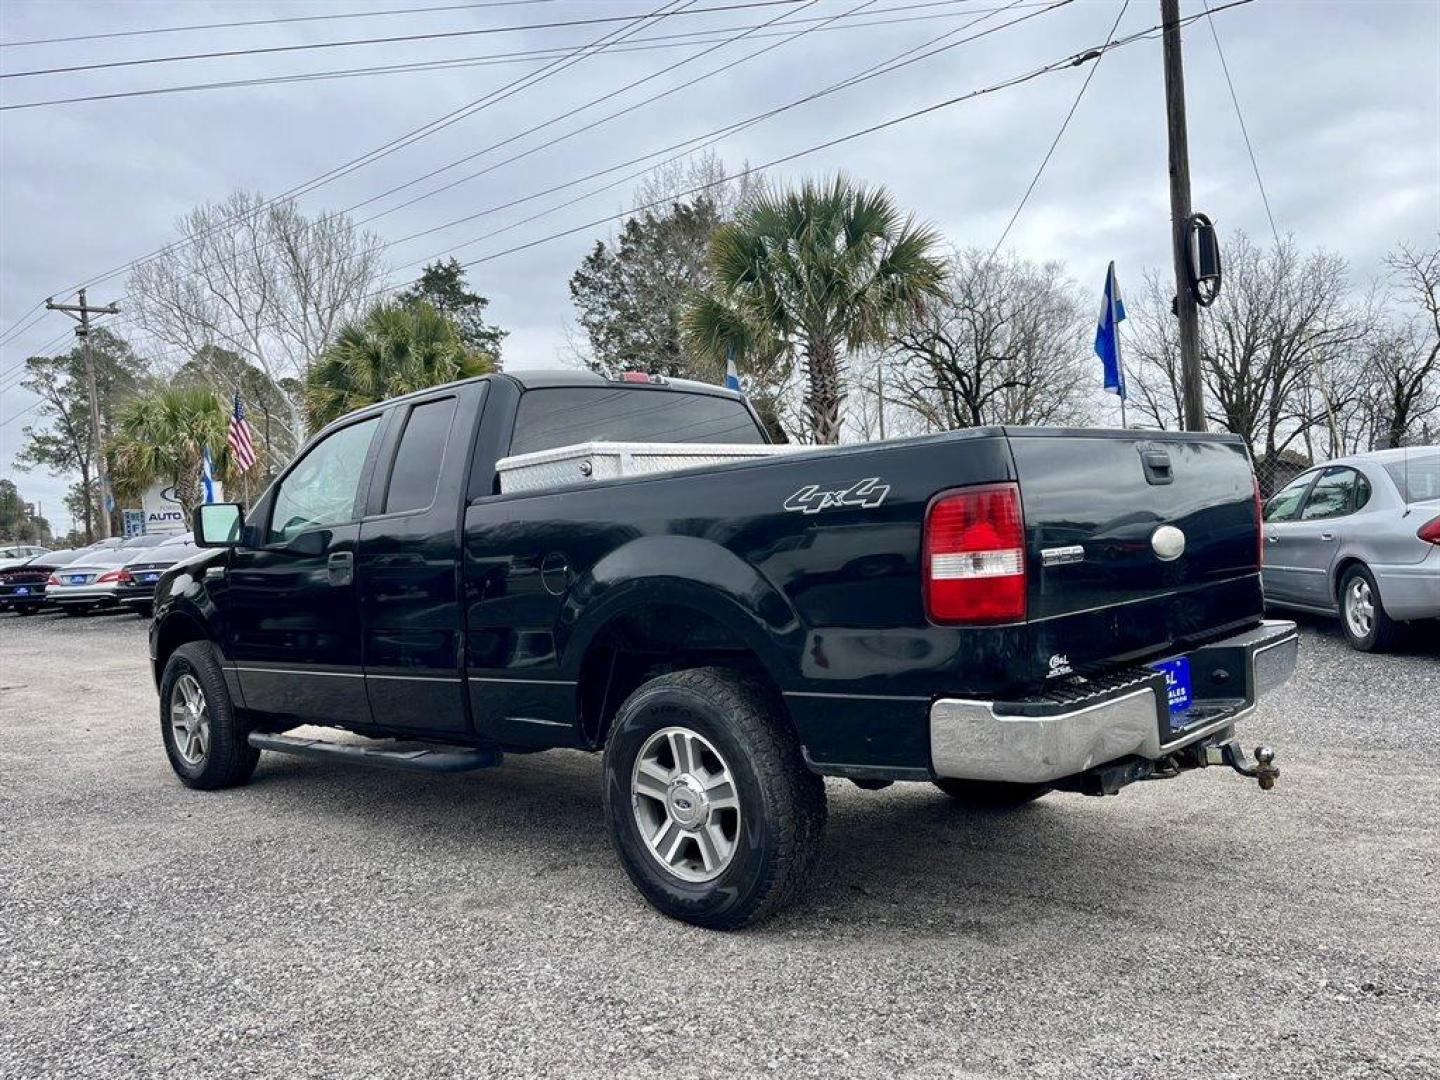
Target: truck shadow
[[541, 816]]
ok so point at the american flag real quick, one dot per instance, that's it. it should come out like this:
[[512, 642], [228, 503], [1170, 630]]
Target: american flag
[[241, 448]]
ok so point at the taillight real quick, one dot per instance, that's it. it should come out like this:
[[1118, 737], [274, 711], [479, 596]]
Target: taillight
[[1430, 531], [52, 580], [121, 575], [974, 556], [1259, 523]]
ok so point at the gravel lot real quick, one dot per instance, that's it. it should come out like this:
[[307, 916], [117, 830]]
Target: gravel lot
[[329, 921]]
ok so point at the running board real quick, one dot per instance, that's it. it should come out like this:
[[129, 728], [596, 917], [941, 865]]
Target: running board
[[406, 757]]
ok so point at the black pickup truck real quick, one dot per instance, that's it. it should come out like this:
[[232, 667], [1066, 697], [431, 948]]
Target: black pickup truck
[[1001, 612]]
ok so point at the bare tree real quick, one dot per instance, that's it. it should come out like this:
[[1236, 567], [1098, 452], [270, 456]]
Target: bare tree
[[1006, 344], [1405, 356], [262, 280], [1273, 347]]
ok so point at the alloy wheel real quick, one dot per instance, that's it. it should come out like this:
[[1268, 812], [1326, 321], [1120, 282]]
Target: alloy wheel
[[686, 804], [1360, 608], [190, 720]]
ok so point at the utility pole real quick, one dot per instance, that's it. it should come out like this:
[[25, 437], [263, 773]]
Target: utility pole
[[81, 313], [1186, 309]]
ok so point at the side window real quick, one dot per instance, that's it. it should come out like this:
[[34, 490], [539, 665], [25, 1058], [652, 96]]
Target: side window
[[1283, 507], [1332, 496], [321, 489], [1362, 491], [416, 473]]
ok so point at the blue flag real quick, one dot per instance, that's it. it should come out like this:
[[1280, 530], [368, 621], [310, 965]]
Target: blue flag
[[1107, 335], [732, 374], [207, 475]]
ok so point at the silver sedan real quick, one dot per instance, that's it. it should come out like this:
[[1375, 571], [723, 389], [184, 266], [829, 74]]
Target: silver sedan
[[1359, 537], [92, 580]]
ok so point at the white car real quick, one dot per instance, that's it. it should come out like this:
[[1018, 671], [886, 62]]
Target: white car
[[18, 554]]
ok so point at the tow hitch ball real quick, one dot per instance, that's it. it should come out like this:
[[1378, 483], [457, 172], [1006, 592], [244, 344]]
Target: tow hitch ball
[[1264, 770]]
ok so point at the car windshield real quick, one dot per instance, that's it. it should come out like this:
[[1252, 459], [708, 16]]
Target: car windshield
[[1417, 476]]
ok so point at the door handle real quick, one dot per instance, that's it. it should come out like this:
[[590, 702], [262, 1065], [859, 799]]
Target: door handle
[[1327, 536], [1272, 539], [340, 567]]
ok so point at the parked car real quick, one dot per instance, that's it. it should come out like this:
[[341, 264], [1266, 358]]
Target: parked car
[[92, 580], [136, 588], [998, 611], [1359, 538], [19, 554], [22, 585]]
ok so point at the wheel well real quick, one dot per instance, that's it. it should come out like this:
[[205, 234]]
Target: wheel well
[[175, 631], [651, 640], [1340, 568]]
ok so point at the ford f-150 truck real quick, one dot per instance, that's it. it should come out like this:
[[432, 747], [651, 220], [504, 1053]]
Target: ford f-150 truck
[[1001, 612]]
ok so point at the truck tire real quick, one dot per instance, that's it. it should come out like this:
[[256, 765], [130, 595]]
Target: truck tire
[[712, 811], [203, 737], [1367, 626], [991, 794]]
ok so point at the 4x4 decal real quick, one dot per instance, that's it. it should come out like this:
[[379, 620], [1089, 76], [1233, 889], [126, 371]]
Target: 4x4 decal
[[868, 493]]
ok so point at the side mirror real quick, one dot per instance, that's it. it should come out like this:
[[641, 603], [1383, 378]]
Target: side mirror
[[218, 525]]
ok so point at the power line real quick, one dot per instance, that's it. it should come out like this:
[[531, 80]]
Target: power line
[[270, 22], [593, 101], [900, 60], [1061, 133], [1254, 165], [1017, 80], [1055, 66], [687, 147], [640, 44], [270, 49], [410, 137]]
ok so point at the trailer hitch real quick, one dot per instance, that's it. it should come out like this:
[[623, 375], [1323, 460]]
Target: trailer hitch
[[1264, 770]]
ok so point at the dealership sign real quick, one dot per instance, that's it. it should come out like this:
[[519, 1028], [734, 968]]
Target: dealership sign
[[162, 510]]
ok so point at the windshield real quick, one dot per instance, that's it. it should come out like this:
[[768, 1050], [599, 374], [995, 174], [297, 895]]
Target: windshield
[[1417, 476]]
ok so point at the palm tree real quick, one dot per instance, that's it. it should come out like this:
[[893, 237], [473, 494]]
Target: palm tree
[[395, 349], [163, 435], [812, 274]]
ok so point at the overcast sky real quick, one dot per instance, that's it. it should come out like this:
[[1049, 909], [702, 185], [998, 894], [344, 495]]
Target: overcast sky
[[1341, 97]]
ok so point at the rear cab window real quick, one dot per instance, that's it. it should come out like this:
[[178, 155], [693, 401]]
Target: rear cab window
[[548, 417], [419, 459]]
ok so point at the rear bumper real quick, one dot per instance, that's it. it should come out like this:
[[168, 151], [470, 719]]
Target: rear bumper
[[1049, 738], [1410, 591], [81, 594]]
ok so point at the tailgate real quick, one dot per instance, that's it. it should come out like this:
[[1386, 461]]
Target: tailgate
[[1136, 543]]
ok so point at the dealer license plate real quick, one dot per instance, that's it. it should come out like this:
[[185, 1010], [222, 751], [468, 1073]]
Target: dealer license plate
[[21, 590], [1177, 683], [149, 579], [78, 579]]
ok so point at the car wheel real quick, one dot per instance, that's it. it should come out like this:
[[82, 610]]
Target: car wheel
[[76, 610], [145, 611], [203, 737], [26, 609], [711, 809], [991, 794], [1362, 614]]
